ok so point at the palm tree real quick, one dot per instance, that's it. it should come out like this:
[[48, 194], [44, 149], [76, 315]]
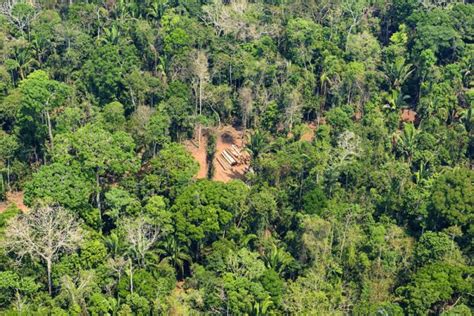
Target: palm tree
[[23, 62], [111, 35], [398, 72], [260, 308], [467, 119], [112, 242], [407, 141], [76, 290], [175, 252], [422, 174], [156, 8], [257, 143], [325, 82], [395, 100], [127, 9], [276, 259]]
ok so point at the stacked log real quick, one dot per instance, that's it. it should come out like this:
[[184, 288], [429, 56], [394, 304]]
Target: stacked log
[[232, 156], [228, 157], [234, 150], [223, 163]]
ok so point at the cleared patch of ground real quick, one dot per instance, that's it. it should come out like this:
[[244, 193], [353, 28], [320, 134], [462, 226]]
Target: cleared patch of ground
[[228, 139], [308, 134], [15, 198], [408, 115], [227, 136], [199, 153]]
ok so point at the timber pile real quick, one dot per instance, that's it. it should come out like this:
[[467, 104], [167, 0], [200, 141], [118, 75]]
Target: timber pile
[[232, 156], [230, 161], [235, 151], [224, 164], [228, 157]]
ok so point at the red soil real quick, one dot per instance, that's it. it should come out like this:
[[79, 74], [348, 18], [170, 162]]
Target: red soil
[[199, 153], [308, 134], [408, 115], [226, 137], [14, 198]]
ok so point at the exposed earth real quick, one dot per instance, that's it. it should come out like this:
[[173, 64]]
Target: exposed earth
[[14, 198], [226, 137]]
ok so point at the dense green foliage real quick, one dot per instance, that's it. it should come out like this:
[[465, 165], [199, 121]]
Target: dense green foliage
[[373, 216]]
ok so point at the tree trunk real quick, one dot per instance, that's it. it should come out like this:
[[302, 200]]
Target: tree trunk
[[200, 112], [35, 154], [98, 24], [50, 129], [8, 175], [3, 189], [343, 242], [48, 268], [97, 180], [218, 117], [132, 97], [131, 277], [118, 282], [196, 107]]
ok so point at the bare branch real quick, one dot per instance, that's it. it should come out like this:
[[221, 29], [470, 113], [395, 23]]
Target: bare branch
[[44, 233], [21, 21], [141, 236]]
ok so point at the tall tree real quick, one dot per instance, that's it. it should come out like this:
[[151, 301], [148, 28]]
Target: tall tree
[[99, 152], [44, 233], [200, 70], [40, 96]]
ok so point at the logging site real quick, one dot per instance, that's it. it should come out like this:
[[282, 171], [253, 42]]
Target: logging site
[[229, 159]]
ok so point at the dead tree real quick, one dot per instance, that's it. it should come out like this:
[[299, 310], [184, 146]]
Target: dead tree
[[45, 233], [140, 235], [21, 22], [246, 104], [200, 69]]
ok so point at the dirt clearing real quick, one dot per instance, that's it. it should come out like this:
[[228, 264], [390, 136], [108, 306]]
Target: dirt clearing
[[14, 198], [229, 142], [199, 153], [231, 161], [308, 133]]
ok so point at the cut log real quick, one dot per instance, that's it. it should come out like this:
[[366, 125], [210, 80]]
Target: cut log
[[237, 149], [194, 143], [229, 158], [223, 164], [226, 159], [235, 153]]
